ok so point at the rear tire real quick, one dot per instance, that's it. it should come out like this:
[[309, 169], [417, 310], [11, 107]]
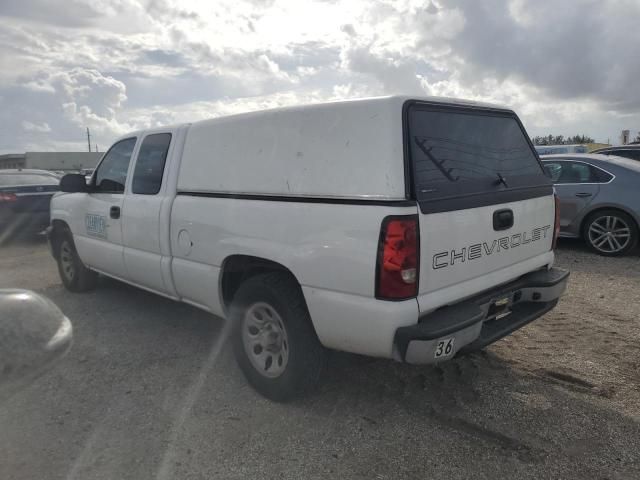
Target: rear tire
[[75, 276], [273, 338], [610, 233]]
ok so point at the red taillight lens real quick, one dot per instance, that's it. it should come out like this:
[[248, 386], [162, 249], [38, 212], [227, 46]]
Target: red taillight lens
[[398, 258], [556, 225], [7, 197]]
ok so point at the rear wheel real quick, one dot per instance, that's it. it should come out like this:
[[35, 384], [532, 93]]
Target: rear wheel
[[75, 276], [274, 341], [611, 233]]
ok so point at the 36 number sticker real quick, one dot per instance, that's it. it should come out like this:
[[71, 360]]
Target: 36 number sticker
[[444, 348]]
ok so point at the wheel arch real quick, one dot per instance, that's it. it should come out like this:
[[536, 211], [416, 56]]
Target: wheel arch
[[238, 268], [600, 208], [58, 228]]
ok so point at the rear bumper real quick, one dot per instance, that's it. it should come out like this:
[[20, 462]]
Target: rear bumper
[[481, 320]]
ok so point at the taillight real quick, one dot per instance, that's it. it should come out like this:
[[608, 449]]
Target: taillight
[[8, 197], [398, 267], [556, 225]]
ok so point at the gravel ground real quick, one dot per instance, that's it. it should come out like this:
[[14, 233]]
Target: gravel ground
[[150, 390]]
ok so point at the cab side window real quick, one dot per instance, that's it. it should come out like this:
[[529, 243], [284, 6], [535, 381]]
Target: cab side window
[[575, 172], [147, 175], [600, 176], [111, 175], [553, 170]]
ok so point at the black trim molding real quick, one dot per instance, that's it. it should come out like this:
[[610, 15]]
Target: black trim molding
[[484, 199], [301, 199]]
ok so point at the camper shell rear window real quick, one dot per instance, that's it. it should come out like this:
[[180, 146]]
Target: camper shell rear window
[[463, 157]]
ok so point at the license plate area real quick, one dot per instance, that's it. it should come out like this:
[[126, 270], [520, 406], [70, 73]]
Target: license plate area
[[444, 348], [500, 308]]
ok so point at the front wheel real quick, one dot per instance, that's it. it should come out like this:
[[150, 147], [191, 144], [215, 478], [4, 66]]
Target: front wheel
[[75, 276], [611, 233], [274, 341]]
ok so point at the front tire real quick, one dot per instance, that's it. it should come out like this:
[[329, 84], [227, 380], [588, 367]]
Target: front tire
[[273, 338], [611, 233], [75, 276]]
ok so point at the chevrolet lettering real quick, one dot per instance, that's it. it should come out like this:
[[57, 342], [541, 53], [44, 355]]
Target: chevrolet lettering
[[478, 250]]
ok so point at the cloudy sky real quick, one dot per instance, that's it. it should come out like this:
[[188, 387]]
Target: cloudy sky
[[566, 66]]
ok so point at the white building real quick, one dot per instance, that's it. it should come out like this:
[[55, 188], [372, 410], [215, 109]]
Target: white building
[[59, 161], [628, 136]]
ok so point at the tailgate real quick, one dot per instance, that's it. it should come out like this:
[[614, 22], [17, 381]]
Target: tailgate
[[486, 206], [460, 246]]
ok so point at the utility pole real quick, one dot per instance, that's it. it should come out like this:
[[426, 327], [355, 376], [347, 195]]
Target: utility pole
[[88, 139]]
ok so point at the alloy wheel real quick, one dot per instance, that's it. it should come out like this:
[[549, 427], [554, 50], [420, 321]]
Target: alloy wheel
[[609, 234]]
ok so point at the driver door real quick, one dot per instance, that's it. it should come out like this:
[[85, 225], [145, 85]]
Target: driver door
[[99, 243]]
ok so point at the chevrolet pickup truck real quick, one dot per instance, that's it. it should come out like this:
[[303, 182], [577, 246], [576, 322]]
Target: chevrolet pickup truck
[[407, 228]]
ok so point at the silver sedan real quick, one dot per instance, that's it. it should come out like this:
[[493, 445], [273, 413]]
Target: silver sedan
[[599, 199]]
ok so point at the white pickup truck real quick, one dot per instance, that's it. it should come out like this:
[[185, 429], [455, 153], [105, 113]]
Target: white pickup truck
[[396, 227]]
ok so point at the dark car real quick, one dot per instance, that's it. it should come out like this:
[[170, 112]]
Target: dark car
[[24, 201], [599, 199], [626, 151]]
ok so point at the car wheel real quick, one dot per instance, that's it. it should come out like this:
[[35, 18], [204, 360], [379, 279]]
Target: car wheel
[[611, 233], [75, 276], [274, 341]]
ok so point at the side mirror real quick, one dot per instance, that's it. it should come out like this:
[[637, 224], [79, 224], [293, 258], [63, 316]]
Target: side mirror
[[34, 334], [73, 182]]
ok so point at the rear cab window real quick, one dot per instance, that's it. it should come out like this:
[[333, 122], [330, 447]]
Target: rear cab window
[[149, 168], [470, 157]]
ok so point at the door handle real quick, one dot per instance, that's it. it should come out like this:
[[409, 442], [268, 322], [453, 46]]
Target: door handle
[[583, 194], [502, 219], [114, 212]]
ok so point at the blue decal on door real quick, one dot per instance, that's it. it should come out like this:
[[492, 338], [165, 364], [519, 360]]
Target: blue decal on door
[[96, 225]]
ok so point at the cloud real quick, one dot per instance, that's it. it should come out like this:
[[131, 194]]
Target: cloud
[[131, 14], [583, 50], [114, 66], [48, 12], [349, 29], [56, 107], [393, 74], [35, 127]]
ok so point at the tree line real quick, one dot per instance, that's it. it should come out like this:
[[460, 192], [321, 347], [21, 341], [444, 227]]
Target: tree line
[[561, 140]]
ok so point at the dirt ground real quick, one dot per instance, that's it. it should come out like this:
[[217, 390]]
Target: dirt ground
[[591, 341], [149, 390]]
